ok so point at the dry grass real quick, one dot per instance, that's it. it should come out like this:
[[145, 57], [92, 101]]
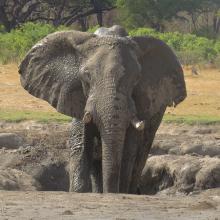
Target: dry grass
[[202, 103], [203, 98], [13, 96]]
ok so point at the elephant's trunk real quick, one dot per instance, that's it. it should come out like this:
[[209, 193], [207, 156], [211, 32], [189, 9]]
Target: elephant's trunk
[[112, 147], [112, 119]]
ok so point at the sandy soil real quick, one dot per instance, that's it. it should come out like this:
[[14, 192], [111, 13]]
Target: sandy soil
[[203, 93], [13, 96], [60, 205]]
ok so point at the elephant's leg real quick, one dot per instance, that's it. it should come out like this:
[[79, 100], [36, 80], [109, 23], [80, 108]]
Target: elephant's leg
[[96, 174], [132, 141], [151, 127], [81, 144]]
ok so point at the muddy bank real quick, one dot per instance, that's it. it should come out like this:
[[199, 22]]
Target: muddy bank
[[183, 173], [184, 159]]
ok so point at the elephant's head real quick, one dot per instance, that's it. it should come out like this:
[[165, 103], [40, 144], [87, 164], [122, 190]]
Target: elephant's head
[[107, 79]]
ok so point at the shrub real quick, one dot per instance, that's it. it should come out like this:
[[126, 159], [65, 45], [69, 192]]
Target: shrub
[[217, 61], [143, 31], [14, 45], [188, 47], [189, 57], [2, 29], [217, 46]]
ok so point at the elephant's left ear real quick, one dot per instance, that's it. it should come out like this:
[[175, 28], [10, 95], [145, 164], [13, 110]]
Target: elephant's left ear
[[162, 83]]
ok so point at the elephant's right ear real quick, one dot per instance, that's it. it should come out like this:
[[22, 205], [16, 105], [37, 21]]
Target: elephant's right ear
[[50, 71]]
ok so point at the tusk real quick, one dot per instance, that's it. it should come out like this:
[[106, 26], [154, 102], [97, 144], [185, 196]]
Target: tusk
[[139, 125], [87, 118]]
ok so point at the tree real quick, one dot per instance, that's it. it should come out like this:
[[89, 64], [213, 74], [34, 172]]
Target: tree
[[204, 15], [14, 12], [147, 12], [100, 6], [211, 10], [65, 12]]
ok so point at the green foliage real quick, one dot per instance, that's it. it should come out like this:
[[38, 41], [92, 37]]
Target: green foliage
[[143, 32], [93, 29], [189, 48], [14, 45], [2, 28], [217, 61], [217, 46]]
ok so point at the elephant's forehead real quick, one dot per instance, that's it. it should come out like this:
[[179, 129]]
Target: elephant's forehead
[[109, 50], [110, 41], [111, 58]]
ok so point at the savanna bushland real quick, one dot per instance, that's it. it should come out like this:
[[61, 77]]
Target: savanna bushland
[[185, 158]]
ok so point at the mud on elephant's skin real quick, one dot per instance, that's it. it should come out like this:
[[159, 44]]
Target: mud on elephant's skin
[[116, 88]]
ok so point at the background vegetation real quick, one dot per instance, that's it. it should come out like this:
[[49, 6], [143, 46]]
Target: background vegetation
[[15, 44], [189, 16], [190, 27], [190, 48]]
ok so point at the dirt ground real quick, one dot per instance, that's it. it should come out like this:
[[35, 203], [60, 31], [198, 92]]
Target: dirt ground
[[203, 93], [60, 205], [13, 96]]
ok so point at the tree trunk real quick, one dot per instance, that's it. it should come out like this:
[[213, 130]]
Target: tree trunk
[[4, 20], [216, 24], [83, 23], [100, 19]]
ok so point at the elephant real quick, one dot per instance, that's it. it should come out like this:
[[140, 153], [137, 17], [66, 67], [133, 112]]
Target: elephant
[[116, 88]]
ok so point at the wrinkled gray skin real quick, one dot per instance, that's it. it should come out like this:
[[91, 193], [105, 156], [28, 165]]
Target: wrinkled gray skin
[[111, 84]]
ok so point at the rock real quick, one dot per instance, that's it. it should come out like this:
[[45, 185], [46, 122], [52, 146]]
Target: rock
[[12, 179], [180, 174], [209, 175], [164, 147], [10, 140], [185, 144], [52, 176], [200, 149]]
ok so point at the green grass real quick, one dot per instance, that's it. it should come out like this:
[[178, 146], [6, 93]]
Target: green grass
[[46, 117], [191, 119]]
